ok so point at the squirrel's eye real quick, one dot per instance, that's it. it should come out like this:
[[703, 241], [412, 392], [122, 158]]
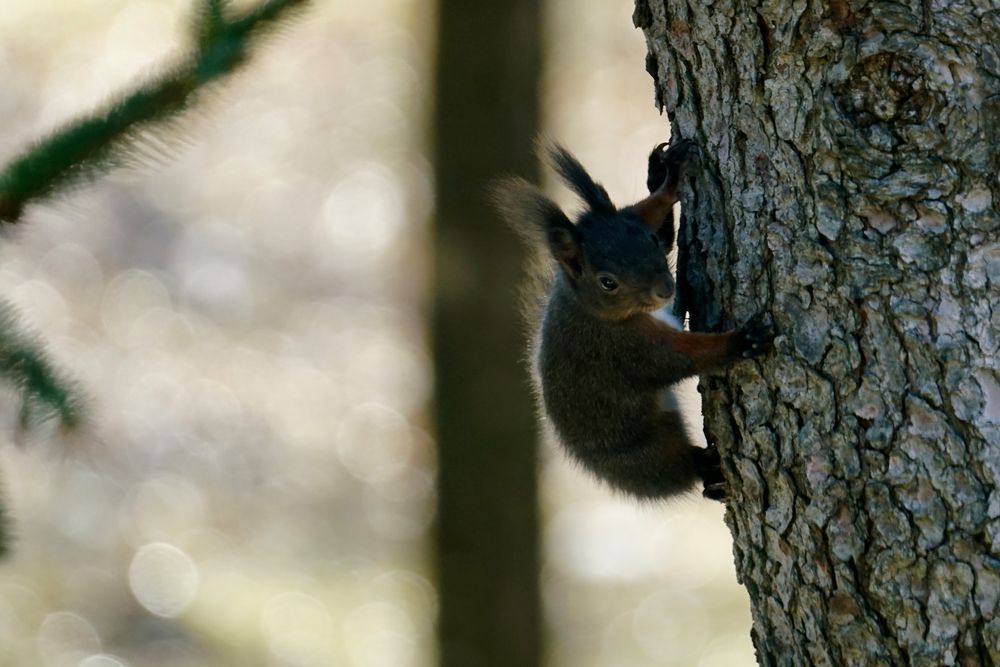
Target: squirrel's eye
[[607, 282]]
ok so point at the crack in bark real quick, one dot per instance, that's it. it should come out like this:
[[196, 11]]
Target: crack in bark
[[765, 39]]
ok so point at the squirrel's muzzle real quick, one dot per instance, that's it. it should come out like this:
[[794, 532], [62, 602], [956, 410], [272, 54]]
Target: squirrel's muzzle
[[664, 290]]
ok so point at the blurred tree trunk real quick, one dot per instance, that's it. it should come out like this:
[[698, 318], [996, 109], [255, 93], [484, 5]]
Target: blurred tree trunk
[[849, 186], [487, 555]]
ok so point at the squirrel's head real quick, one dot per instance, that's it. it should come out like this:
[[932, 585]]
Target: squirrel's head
[[615, 264], [613, 259]]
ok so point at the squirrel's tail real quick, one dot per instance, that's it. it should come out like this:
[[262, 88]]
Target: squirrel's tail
[[523, 207]]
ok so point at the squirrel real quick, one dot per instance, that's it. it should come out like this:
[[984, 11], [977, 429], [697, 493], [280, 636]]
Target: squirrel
[[601, 360]]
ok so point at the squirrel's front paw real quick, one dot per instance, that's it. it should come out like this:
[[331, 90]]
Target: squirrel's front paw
[[755, 337], [665, 163]]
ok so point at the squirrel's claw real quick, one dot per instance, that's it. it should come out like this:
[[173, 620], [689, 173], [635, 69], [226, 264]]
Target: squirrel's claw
[[756, 337], [709, 467], [719, 492], [666, 162]]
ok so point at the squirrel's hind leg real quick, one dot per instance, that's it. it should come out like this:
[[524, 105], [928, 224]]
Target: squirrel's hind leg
[[709, 467], [661, 464]]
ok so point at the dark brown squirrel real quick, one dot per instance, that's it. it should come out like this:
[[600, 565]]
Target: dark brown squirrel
[[601, 360]]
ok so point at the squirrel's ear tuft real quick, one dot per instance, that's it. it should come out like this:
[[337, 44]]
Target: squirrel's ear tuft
[[577, 178]]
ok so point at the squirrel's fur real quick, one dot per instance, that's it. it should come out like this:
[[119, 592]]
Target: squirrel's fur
[[600, 359]]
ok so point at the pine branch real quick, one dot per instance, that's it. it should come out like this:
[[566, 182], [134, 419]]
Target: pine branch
[[93, 144], [44, 391]]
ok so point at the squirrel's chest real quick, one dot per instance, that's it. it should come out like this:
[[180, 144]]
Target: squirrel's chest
[[586, 369], [588, 394], [581, 347], [573, 355]]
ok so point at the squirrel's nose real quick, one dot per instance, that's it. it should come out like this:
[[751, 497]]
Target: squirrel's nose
[[663, 292]]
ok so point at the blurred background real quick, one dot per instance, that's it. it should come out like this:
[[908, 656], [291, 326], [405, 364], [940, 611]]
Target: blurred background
[[251, 318]]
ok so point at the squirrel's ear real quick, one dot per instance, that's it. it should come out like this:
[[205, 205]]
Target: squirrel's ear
[[564, 242], [538, 221]]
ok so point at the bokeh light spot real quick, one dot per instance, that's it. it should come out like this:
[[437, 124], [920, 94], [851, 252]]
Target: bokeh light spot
[[363, 214], [382, 635], [65, 638], [298, 628], [103, 660], [163, 579], [374, 442], [603, 540]]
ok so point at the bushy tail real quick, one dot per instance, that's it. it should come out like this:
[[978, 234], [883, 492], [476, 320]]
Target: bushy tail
[[524, 208]]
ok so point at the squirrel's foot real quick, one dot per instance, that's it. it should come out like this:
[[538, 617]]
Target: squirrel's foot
[[709, 467], [666, 163], [755, 337]]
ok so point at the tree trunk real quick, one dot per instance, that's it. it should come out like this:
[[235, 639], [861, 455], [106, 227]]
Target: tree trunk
[[849, 187], [486, 114]]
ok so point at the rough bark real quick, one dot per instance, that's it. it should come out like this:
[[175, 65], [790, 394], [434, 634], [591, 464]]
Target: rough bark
[[849, 187], [486, 113]]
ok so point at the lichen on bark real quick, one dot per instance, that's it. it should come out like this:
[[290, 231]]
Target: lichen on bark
[[849, 187]]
